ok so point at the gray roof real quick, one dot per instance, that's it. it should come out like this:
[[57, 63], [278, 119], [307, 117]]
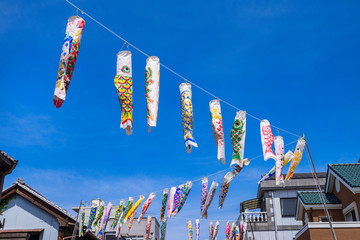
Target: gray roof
[[7, 163], [21, 183]]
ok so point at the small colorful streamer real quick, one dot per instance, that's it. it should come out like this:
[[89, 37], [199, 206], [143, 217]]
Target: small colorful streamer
[[127, 208], [99, 214], [184, 194], [92, 217], [163, 204], [190, 230], [177, 198], [297, 158], [209, 198], [82, 223], [163, 228], [105, 219], [218, 130], [134, 207], [148, 227], [118, 212], [197, 228], [224, 188], [211, 230], [280, 158], [228, 230], [146, 205], [233, 231], [237, 135], [131, 219], [216, 230], [204, 192]]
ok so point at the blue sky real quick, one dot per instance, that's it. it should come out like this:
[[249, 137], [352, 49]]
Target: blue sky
[[295, 63]]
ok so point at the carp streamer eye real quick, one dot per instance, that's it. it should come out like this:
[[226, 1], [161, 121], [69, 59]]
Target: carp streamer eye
[[125, 69]]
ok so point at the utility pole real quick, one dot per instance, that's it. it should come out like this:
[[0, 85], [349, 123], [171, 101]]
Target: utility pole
[[77, 222], [275, 224]]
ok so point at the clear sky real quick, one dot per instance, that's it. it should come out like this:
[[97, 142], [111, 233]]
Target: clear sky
[[295, 63]]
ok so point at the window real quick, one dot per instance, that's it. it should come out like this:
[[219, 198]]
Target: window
[[350, 216], [325, 219], [288, 207]]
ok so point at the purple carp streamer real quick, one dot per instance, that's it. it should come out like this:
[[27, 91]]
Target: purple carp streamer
[[297, 157], [163, 228], [69, 54], [187, 116], [148, 227], [82, 223], [105, 219], [100, 213], [152, 85], [163, 204], [171, 201], [131, 219], [280, 158], [177, 198], [211, 230], [184, 194], [237, 135], [190, 230], [127, 209], [267, 140], [123, 83], [134, 207], [146, 205], [216, 230], [92, 217], [204, 192], [209, 198], [288, 156], [224, 188], [118, 212], [197, 228], [228, 230], [218, 130]]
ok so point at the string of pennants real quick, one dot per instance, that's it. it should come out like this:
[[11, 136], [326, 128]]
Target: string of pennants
[[173, 199]]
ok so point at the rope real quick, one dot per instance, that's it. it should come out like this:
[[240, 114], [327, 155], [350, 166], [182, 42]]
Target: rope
[[169, 69]]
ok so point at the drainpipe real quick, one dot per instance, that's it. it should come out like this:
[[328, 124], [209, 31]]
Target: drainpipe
[[275, 224]]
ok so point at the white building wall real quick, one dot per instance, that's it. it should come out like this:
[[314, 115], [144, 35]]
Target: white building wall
[[22, 214], [277, 207]]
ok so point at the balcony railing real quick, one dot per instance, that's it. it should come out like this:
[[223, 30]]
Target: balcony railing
[[254, 216]]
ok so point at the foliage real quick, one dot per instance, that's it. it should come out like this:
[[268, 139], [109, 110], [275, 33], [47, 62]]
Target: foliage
[[3, 205]]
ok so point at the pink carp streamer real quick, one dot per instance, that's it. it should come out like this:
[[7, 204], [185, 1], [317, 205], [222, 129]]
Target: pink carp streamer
[[118, 212], [146, 205], [152, 85], [280, 159], [204, 192], [190, 230], [163, 204], [134, 207], [171, 201], [209, 198], [297, 158], [288, 156], [216, 229], [131, 219], [184, 194], [218, 130], [211, 230], [228, 230], [187, 116], [267, 140], [69, 54], [124, 85], [163, 228], [148, 227], [197, 229], [105, 219]]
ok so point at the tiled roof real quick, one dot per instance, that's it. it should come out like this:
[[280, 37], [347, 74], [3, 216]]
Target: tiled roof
[[313, 197], [349, 172]]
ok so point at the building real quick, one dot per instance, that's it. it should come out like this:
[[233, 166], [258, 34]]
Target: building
[[342, 197], [28, 215], [137, 231], [272, 214], [7, 165]]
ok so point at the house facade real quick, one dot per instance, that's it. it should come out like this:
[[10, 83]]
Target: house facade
[[28, 215], [342, 198], [271, 215]]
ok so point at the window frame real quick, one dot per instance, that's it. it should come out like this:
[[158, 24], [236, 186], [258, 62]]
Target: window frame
[[282, 210]]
